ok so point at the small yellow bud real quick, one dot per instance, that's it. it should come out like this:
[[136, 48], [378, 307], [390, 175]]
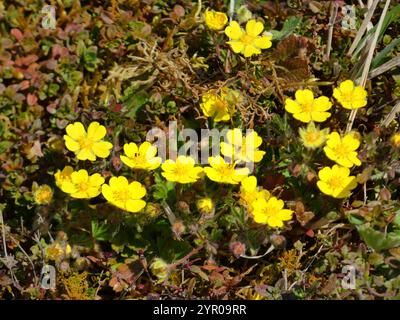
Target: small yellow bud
[[205, 206], [395, 140]]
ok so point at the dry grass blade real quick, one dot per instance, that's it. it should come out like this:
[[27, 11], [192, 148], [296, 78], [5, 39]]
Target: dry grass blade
[[332, 19], [392, 63], [389, 118], [363, 27], [368, 61]]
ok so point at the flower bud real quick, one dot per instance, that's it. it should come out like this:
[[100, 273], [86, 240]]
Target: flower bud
[[237, 248], [205, 206]]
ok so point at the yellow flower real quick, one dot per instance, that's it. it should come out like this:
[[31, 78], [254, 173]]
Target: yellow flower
[[342, 150], [248, 42], [249, 192], [181, 171], [270, 211], [241, 148], [143, 157], [305, 108], [64, 175], [312, 137], [124, 195], [87, 145], [43, 194], [57, 251], [223, 172], [205, 205], [395, 140], [220, 107], [83, 186], [336, 181], [215, 20], [349, 96]]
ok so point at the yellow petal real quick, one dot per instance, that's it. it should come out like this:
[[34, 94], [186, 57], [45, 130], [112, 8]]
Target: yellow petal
[[102, 149], [250, 50], [86, 154], [303, 116], [76, 130], [292, 106], [322, 104], [96, 131], [253, 140], [249, 184], [325, 173], [346, 86], [130, 149], [236, 46], [263, 42], [137, 190], [234, 31], [135, 205], [234, 137], [71, 144], [320, 116], [324, 187], [254, 28], [304, 97]]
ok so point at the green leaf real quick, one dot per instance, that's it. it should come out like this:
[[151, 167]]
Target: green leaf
[[134, 101], [163, 189], [288, 27], [378, 240], [4, 145], [391, 16], [355, 220], [100, 231], [381, 55]]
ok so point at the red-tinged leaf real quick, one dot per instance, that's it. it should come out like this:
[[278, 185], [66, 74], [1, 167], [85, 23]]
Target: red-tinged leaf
[[31, 99], [17, 34], [310, 233], [93, 259], [213, 268], [24, 85], [26, 61]]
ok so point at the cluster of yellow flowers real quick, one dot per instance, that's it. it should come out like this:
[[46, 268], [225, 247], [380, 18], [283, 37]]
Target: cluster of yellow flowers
[[88, 145], [128, 196], [335, 181], [261, 205], [249, 41], [238, 148]]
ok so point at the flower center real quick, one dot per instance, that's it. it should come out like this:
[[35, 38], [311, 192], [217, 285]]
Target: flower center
[[85, 143], [342, 150], [347, 96], [220, 105], [121, 195], [271, 211], [140, 159], [83, 186], [182, 171], [312, 136], [247, 39], [227, 171], [335, 182], [308, 107]]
